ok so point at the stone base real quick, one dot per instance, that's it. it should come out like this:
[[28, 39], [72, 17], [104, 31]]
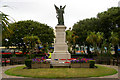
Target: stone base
[[59, 59], [60, 65], [60, 55]]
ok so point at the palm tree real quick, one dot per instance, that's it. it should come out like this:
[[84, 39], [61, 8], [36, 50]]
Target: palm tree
[[4, 20], [95, 39], [5, 25], [114, 41], [114, 38]]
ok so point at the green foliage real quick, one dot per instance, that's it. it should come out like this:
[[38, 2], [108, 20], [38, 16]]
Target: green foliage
[[92, 63], [114, 38], [27, 28], [28, 63], [6, 31], [105, 22], [109, 20], [71, 39], [69, 34], [95, 39], [33, 56], [6, 55], [31, 40], [82, 27], [19, 55]]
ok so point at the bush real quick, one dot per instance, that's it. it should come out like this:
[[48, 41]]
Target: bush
[[40, 55], [28, 62], [92, 63], [6, 55], [32, 56], [19, 55]]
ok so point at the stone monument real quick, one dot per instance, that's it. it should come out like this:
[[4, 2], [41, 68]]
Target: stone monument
[[60, 55]]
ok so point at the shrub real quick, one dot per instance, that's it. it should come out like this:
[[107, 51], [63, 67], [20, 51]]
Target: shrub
[[6, 55], [92, 63], [33, 56], [28, 62], [19, 55]]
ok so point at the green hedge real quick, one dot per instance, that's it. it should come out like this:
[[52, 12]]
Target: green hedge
[[92, 63], [6, 55], [28, 63]]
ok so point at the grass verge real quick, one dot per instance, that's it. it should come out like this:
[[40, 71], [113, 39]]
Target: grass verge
[[61, 72]]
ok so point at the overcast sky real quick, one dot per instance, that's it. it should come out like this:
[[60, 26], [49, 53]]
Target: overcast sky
[[43, 11]]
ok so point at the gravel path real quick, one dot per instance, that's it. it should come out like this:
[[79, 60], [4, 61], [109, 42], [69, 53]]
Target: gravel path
[[4, 68]]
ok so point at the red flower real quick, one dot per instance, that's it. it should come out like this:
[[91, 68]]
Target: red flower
[[69, 59], [6, 61], [63, 59], [5, 53], [67, 62]]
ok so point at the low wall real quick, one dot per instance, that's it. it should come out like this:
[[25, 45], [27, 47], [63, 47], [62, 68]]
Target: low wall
[[72, 65]]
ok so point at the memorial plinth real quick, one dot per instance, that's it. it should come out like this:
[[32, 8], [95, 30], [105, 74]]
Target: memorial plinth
[[60, 55]]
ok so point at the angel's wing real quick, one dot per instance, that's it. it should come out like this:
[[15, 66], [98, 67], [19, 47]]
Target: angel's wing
[[56, 8], [64, 6]]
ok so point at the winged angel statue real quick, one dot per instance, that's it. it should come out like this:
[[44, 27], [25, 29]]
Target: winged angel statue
[[60, 14]]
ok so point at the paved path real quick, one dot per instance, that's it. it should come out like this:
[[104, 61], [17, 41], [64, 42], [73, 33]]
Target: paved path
[[4, 68]]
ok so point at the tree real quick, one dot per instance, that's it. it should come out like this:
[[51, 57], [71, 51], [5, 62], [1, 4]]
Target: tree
[[109, 21], [5, 25], [114, 39], [69, 34], [95, 39], [27, 28], [106, 22], [30, 41], [71, 38], [82, 28]]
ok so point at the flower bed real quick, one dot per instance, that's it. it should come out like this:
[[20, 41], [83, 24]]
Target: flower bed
[[80, 63], [40, 63], [74, 63]]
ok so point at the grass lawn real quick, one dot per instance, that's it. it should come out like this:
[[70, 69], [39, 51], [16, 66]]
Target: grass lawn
[[61, 72]]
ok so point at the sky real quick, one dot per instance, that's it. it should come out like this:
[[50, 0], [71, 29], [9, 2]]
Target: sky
[[44, 11]]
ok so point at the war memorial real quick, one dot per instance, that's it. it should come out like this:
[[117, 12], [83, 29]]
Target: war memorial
[[60, 64]]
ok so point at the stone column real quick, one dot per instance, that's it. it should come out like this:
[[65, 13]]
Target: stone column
[[60, 47]]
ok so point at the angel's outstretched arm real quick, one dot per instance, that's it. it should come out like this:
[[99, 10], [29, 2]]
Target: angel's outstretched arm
[[64, 6], [56, 7]]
